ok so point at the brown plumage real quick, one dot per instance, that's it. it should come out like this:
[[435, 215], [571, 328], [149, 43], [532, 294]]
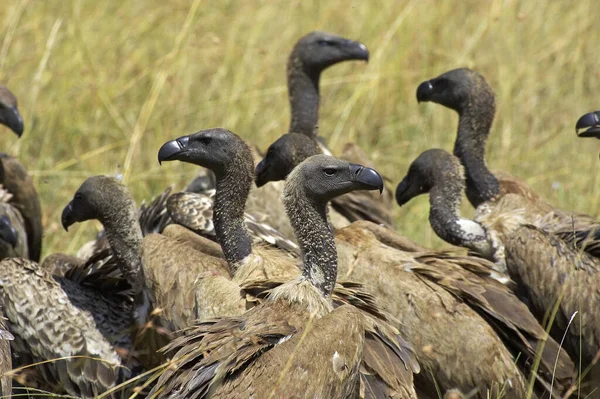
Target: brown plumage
[[539, 263], [297, 327], [437, 298], [54, 317], [468, 93]]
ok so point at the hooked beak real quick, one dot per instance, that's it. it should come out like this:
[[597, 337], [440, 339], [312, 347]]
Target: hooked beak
[[360, 52], [11, 117], [171, 150], [401, 192], [67, 218], [367, 178], [424, 91], [590, 121], [260, 173]]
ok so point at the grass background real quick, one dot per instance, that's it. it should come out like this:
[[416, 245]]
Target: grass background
[[102, 85]]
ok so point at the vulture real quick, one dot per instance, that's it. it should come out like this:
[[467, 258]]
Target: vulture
[[468, 93], [330, 349], [423, 278], [310, 56], [551, 276]]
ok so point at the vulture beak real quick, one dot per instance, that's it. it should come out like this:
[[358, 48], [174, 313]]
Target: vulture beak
[[171, 150], [367, 178]]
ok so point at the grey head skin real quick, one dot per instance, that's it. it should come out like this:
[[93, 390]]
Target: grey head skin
[[441, 175], [311, 55], [107, 200], [230, 159], [590, 122], [468, 93], [283, 156], [9, 113], [99, 197], [308, 189], [8, 234]]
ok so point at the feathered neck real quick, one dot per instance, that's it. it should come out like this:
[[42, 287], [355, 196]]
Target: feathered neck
[[303, 92], [315, 237], [232, 190], [474, 124], [444, 215]]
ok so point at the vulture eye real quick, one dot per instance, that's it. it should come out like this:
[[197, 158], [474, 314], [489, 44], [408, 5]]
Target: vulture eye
[[205, 140], [329, 171], [325, 42], [78, 196]]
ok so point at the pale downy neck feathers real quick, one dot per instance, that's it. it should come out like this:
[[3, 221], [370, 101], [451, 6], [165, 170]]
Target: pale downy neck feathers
[[308, 218]]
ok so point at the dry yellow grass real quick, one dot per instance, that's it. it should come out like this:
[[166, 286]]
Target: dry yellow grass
[[103, 84]]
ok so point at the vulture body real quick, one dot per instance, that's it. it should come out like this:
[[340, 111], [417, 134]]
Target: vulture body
[[468, 93], [223, 151], [549, 273]]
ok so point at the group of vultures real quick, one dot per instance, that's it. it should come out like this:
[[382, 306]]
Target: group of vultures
[[281, 273]]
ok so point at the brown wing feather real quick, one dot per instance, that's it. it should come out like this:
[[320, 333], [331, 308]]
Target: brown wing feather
[[548, 267], [510, 317], [153, 216], [50, 324]]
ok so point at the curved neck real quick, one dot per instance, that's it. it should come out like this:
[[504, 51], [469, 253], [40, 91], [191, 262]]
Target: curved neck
[[474, 125], [444, 217], [232, 190], [125, 237], [315, 238], [303, 92]]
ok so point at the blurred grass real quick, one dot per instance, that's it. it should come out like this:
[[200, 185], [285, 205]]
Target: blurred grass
[[97, 81]]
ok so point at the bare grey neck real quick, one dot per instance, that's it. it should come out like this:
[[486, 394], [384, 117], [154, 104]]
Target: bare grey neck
[[232, 191], [444, 217], [315, 238], [474, 125], [303, 91], [125, 237]]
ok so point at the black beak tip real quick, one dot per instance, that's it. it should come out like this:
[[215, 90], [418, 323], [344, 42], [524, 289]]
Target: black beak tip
[[14, 121], [590, 120], [65, 217], [423, 91]]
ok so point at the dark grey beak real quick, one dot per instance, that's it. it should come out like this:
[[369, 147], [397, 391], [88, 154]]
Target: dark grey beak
[[261, 173], [424, 91], [359, 51], [67, 218], [402, 196], [367, 178], [171, 149], [591, 121], [7, 232], [11, 117]]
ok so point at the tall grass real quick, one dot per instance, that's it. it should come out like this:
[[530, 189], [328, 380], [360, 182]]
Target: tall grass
[[103, 84]]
